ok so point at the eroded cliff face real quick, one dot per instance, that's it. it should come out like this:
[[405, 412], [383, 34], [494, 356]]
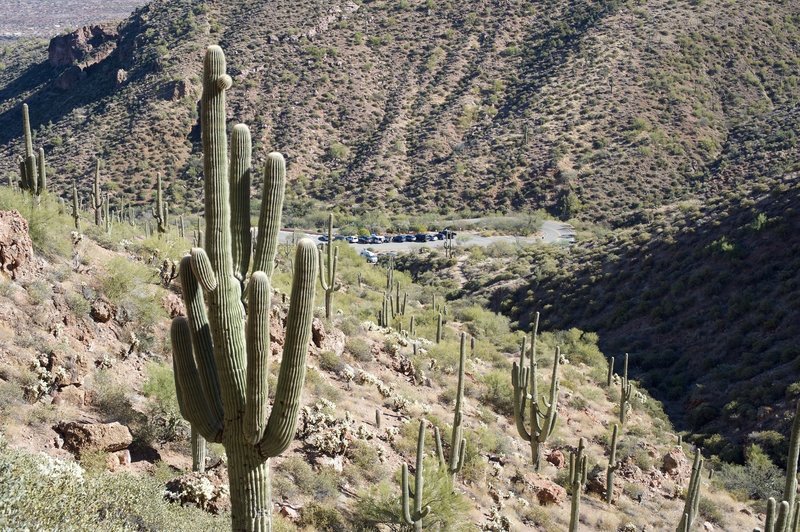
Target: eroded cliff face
[[78, 51]]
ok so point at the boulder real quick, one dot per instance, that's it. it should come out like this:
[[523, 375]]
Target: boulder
[[548, 492], [70, 395], [674, 462], [117, 460], [102, 311], [173, 303], [556, 458], [208, 491], [80, 437], [16, 248]]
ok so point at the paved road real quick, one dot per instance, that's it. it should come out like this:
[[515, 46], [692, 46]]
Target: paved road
[[550, 233]]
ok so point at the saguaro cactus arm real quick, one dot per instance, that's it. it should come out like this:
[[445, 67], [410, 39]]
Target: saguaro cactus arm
[[414, 517]]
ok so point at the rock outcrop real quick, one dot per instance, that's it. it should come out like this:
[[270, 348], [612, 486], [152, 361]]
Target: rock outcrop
[[16, 248], [88, 44], [80, 438]]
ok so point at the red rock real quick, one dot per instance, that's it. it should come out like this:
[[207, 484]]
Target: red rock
[[548, 492], [102, 311], [88, 437], [556, 458]]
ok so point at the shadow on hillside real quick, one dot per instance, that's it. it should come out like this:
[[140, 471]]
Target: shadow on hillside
[[709, 311]]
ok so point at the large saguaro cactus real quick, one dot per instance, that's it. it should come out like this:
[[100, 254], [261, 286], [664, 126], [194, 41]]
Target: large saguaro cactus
[[33, 173], [159, 210], [221, 356], [413, 517], [613, 465], [692, 495], [542, 414], [626, 391], [577, 482], [458, 444]]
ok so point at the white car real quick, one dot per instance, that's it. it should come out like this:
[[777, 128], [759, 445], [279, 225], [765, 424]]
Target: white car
[[371, 256]]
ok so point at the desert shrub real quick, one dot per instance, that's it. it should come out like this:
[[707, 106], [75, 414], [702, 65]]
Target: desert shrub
[[499, 392], [41, 493], [164, 421], [366, 459], [77, 303], [359, 348], [758, 478], [381, 504], [710, 511], [112, 399], [330, 361], [323, 517], [294, 476]]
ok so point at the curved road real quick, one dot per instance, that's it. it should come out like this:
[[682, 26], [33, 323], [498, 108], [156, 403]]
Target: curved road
[[551, 232]]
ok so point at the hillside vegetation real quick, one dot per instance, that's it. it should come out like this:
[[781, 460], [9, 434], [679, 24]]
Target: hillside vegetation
[[595, 108]]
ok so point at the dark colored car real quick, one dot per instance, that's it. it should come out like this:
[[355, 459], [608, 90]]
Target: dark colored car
[[374, 239], [398, 238], [323, 238], [420, 237], [408, 238], [363, 240], [339, 237]]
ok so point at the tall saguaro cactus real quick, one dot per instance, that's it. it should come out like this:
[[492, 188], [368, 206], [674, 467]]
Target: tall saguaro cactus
[[327, 274], [692, 495], [613, 465], [626, 390], [413, 517], [577, 481], [33, 174], [542, 414], [221, 356], [458, 444], [76, 213], [97, 195], [790, 488], [159, 210]]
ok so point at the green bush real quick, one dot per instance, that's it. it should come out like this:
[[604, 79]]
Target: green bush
[[758, 478], [499, 392], [322, 517], [360, 349], [380, 504], [41, 493], [330, 361]]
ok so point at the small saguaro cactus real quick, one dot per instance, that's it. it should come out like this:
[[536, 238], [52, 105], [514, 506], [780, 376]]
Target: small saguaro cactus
[[625, 393], [107, 213], [97, 194], [577, 481], [221, 348], [458, 444], [610, 376], [692, 495], [159, 210], [449, 251], [390, 274], [28, 167], [41, 187], [76, 213], [198, 451], [327, 275], [439, 328], [413, 517], [542, 413], [378, 419], [613, 465], [790, 487]]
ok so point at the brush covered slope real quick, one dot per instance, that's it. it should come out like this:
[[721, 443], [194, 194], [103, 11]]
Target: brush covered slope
[[84, 340], [581, 107], [703, 296]]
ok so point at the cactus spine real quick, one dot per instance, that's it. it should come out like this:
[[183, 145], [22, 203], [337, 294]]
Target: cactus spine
[[458, 444], [414, 517], [76, 213], [221, 359], [97, 195], [625, 393], [198, 451], [327, 275], [577, 481], [692, 495], [159, 210], [542, 413], [613, 465]]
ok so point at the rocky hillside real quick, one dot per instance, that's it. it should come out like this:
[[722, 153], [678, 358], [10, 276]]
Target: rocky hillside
[[86, 378], [594, 108]]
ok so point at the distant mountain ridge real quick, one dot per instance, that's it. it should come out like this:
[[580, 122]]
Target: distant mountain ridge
[[594, 108]]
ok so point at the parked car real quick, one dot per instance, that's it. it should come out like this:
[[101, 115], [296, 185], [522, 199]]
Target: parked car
[[443, 234], [363, 240], [408, 238], [339, 237], [420, 237], [352, 239], [323, 238], [399, 238], [371, 256], [377, 239]]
